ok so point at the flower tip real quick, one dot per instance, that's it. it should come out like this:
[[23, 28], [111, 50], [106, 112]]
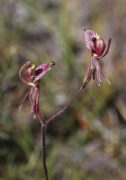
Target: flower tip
[[32, 66], [34, 116], [85, 29], [20, 108], [108, 82], [53, 63], [27, 63], [110, 40]]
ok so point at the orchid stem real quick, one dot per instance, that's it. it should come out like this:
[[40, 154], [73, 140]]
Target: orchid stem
[[43, 139], [45, 123]]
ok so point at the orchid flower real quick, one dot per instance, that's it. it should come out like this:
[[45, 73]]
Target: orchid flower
[[31, 78], [98, 50]]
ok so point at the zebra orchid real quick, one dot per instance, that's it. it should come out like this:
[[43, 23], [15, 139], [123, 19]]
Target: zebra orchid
[[98, 49], [31, 76]]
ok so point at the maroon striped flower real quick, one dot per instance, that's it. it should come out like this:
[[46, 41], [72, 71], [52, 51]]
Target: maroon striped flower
[[31, 78], [98, 50]]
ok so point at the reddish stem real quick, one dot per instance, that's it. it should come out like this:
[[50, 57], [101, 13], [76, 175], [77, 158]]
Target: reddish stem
[[43, 138]]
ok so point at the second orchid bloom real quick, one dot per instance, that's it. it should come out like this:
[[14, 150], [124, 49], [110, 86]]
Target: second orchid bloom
[[98, 50], [31, 76]]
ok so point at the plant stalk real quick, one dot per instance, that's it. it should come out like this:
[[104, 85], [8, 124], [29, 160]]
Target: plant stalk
[[43, 138]]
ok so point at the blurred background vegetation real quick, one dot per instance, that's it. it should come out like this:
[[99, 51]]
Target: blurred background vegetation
[[89, 140]]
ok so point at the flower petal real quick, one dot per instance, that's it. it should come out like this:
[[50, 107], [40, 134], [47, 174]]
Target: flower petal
[[99, 73], [89, 35], [36, 100], [107, 49], [41, 70], [26, 79]]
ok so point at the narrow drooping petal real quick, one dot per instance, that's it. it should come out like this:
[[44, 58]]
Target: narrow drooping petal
[[26, 95], [89, 36], [88, 75], [31, 97], [41, 70], [36, 100], [99, 72]]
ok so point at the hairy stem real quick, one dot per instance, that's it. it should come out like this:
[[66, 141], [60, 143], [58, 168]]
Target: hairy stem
[[43, 138]]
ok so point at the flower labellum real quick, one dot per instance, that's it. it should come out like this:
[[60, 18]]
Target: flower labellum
[[98, 50], [41, 70]]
